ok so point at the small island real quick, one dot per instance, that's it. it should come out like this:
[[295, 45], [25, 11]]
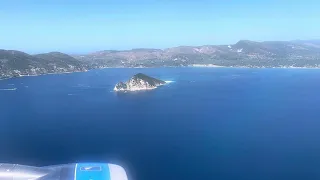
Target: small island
[[139, 82]]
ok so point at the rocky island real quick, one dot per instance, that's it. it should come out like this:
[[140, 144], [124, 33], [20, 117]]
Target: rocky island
[[139, 82]]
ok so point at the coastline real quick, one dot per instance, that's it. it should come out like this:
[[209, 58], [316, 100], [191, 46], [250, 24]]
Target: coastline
[[135, 89], [190, 66], [34, 75], [143, 89]]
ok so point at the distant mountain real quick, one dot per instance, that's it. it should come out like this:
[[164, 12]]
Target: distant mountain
[[245, 53], [315, 42], [60, 60], [17, 63]]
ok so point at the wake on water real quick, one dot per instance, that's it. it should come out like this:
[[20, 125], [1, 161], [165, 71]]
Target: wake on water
[[169, 82], [12, 89]]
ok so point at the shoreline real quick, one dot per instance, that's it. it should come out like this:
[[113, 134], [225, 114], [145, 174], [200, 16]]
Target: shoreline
[[142, 89], [198, 66], [135, 90]]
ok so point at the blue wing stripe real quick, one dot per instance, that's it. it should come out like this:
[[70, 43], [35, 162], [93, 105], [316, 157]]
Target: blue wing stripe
[[92, 171]]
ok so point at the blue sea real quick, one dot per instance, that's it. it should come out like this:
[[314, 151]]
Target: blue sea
[[208, 124]]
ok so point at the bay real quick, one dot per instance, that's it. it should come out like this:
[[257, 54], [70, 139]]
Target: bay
[[209, 123]]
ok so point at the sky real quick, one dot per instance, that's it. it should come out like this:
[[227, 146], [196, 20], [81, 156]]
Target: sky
[[82, 26]]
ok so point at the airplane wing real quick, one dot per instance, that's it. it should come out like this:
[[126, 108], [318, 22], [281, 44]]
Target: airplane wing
[[76, 171]]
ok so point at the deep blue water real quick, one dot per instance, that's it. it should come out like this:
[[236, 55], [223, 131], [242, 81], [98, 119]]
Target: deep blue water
[[210, 123]]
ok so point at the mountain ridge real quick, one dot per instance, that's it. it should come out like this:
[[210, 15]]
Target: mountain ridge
[[17, 63], [244, 53]]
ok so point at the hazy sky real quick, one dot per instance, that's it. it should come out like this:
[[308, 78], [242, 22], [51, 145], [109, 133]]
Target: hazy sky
[[79, 26]]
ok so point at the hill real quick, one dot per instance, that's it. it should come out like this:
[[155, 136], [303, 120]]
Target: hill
[[16, 63], [245, 53]]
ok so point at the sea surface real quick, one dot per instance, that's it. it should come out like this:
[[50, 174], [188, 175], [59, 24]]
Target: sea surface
[[208, 124]]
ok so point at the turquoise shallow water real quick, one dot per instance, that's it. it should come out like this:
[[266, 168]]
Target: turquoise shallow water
[[209, 123]]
